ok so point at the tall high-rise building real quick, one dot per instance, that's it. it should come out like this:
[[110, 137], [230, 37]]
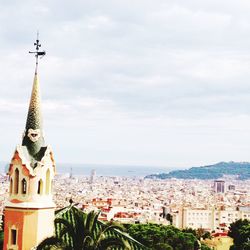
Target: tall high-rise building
[[219, 186], [92, 176], [29, 211]]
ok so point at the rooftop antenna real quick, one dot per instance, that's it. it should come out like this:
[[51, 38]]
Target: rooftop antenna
[[38, 54]]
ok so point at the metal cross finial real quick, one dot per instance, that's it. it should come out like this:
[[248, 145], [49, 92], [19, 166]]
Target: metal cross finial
[[37, 42], [37, 53]]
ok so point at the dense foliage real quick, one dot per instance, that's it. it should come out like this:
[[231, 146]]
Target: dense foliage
[[1, 239], [240, 232], [83, 234], [200, 233], [159, 237], [241, 169]]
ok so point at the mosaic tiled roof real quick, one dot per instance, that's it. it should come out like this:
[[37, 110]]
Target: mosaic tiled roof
[[33, 134]]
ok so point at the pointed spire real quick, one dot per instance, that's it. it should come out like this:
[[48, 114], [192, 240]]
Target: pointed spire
[[34, 119], [33, 137], [33, 134]]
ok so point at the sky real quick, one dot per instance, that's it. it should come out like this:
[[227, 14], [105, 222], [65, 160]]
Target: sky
[[151, 83]]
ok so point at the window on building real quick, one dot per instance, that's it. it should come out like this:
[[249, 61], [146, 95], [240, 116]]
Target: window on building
[[40, 187], [47, 181], [13, 235], [24, 186], [11, 185], [16, 184]]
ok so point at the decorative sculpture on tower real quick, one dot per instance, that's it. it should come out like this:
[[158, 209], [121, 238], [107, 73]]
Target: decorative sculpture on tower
[[29, 211]]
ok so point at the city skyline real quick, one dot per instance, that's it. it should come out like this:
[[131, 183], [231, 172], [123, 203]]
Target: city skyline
[[158, 84]]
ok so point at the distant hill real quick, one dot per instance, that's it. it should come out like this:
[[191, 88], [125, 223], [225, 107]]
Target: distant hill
[[240, 169]]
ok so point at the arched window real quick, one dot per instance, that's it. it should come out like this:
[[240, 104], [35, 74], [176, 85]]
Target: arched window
[[13, 237], [16, 181], [40, 187], [11, 185], [48, 182], [24, 186]]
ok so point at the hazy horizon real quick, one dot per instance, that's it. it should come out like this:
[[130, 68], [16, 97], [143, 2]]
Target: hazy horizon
[[82, 165]]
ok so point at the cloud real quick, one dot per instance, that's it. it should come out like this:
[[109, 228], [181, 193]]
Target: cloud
[[143, 81]]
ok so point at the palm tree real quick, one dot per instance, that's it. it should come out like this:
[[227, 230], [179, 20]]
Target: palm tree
[[84, 232]]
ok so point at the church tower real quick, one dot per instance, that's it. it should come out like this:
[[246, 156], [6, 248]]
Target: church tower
[[29, 211]]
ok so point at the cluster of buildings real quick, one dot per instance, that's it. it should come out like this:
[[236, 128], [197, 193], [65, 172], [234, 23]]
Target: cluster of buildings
[[4, 191], [211, 205], [208, 204]]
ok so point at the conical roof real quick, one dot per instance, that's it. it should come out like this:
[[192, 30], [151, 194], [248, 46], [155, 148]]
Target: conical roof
[[33, 134]]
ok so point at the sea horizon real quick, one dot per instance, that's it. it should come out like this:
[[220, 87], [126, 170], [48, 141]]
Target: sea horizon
[[85, 169]]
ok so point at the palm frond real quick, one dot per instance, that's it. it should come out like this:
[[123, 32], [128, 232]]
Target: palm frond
[[110, 227], [112, 242], [51, 242], [69, 229], [91, 222], [88, 241]]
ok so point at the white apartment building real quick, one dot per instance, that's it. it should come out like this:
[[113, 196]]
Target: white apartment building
[[209, 219]]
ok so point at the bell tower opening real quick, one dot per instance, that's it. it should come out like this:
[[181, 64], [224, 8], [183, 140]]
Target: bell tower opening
[[47, 182], [16, 181], [24, 186], [40, 187], [11, 185]]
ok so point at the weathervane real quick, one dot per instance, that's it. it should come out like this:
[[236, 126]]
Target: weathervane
[[37, 53]]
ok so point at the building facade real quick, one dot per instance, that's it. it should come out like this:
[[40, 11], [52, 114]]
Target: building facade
[[219, 186], [212, 219]]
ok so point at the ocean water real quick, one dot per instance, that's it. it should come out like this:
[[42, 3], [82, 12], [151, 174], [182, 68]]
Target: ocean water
[[111, 170], [103, 170]]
